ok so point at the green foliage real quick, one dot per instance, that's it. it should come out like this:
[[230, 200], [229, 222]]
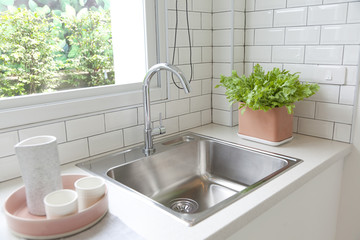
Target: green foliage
[[28, 46], [91, 47], [39, 38], [262, 91]]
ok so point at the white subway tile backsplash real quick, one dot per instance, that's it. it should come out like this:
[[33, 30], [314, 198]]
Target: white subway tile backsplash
[[248, 68], [342, 132], [221, 6], [195, 90], [327, 14], [269, 36], [324, 54], [351, 54], [347, 95], [9, 168], [173, 92], [353, 14], [7, 142], [206, 86], [269, 66], [194, 20], [259, 19], [239, 37], [133, 135], [206, 21], [266, 4], [319, 73], [182, 39], [221, 69], [222, 54], [327, 93], [258, 53], [184, 55], [201, 38], [220, 102], [302, 3], [288, 54], [340, 34], [239, 54], [290, 17], [206, 54], [219, 90], [334, 112], [235, 118], [351, 75], [106, 142], [315, 128], [250, 5], [85, 127], [181, 5], [202, 71], [206, 117], [171, 125], [155, 111], [121, 119], [239, 20], [222, 20], [249, 36], [74, 150], [55, 129], [221, 117], [302, 35], [178, 107], [239, 5], [202, 6], [338, 1], [305, 109], [200, 103], [295, 124], [222, 37], [190, 121]]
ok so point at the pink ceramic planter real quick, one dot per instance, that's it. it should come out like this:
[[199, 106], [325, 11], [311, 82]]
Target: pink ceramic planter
[[273, 126], [26, 225]]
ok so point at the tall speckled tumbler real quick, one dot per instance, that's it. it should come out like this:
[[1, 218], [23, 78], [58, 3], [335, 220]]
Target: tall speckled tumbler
[[40, 170]]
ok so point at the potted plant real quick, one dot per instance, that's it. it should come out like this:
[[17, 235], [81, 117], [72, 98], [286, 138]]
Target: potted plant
[[266, 102]]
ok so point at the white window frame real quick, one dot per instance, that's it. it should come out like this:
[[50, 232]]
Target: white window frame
[[29, 109]]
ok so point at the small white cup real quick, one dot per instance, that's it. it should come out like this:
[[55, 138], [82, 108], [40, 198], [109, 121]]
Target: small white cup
[[61, 203], [90, 190]]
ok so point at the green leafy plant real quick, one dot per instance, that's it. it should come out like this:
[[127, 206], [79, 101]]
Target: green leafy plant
[[265, 91], [89, 35], [37, 47], [28, 44]]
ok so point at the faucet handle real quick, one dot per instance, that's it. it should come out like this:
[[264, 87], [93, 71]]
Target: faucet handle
[[160, 129], [161, 126]]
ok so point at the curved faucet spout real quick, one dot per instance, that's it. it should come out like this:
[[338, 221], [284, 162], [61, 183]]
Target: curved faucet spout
[[149, 132]]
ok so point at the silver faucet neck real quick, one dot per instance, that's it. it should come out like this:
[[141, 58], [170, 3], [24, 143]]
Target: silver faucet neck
[[148, 133]]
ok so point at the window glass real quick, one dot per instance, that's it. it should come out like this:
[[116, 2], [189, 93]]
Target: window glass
[[54, 45]]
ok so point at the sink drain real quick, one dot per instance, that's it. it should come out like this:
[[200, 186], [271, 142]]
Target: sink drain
[[184, 205]]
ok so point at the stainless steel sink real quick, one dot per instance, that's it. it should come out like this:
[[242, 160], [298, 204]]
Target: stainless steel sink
[[191, 176]]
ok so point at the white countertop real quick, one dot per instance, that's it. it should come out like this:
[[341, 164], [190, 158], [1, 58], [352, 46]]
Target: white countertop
[[153, 223]]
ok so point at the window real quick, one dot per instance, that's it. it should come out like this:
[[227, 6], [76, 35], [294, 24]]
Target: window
[[40, 107]]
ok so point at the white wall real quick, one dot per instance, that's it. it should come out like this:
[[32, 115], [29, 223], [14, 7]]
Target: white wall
[[349, 211], [320, 39]]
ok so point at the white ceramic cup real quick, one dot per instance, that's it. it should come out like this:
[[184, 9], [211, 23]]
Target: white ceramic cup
[[90, 190], [61, 203]]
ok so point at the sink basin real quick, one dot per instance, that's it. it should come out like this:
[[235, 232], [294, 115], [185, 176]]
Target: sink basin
[[191, 176]]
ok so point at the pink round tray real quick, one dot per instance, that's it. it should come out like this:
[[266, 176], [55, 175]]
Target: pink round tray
[[26, 225]]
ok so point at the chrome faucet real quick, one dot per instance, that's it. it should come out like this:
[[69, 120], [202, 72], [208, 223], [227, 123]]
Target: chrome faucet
[[149, 132]]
